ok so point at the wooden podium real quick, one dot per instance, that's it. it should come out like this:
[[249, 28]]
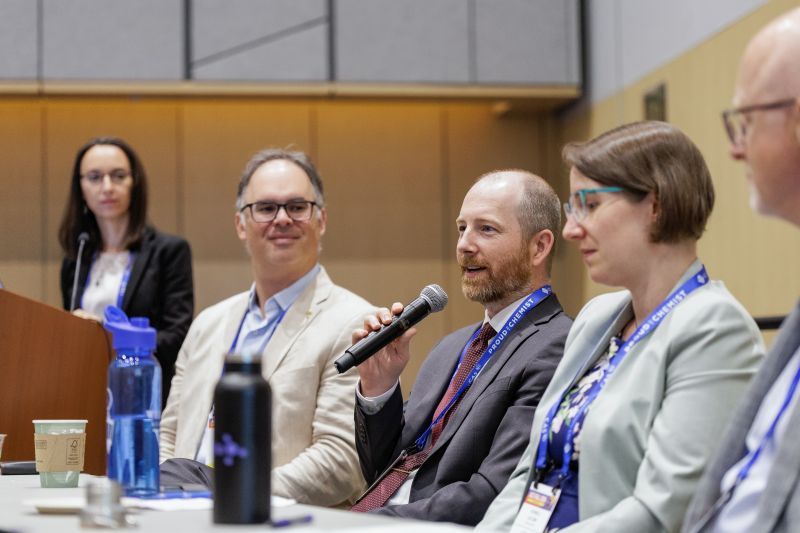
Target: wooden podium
[[53, 365]]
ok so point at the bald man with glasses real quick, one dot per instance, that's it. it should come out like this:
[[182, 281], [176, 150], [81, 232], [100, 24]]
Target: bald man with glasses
[[753, 483], [298, 320]]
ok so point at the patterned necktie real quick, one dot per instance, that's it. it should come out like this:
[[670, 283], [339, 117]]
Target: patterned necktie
[[394, 477]]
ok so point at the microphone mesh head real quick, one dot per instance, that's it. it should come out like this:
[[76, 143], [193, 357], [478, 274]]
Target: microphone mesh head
[[435, 296]]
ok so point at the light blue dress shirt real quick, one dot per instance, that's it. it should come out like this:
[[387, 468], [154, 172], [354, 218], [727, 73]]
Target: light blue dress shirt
[[259, 325], [254, 335]]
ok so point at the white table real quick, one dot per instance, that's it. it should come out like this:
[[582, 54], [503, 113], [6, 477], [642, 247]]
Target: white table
[[14, 516]]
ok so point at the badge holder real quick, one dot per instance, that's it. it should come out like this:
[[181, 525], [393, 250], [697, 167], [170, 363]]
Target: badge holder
[[536, 509], [538, 506]]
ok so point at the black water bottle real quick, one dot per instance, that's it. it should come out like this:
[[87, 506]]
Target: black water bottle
[[242, 443]]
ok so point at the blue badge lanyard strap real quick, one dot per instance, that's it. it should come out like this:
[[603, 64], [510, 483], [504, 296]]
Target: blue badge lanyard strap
[[266, 337], [647, 327], [126, 277], [263, 343], [522, 309], [743, 473], [123, 284]]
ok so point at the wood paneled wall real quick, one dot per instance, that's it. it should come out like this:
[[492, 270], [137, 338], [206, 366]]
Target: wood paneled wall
[[757, 258], [395, 173]]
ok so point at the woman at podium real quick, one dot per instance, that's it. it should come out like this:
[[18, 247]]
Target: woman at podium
[[112, 256]]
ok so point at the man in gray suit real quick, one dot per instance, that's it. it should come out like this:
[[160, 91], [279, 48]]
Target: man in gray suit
[[447, 452], [753, 482]]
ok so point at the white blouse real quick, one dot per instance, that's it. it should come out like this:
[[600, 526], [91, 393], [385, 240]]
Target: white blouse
[[105, 277]]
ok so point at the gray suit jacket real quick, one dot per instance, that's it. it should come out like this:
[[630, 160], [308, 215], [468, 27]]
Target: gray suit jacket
[[482, 441], [648, 435], [780, 503], [313, 454]]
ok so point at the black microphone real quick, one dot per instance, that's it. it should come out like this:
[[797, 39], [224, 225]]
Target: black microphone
[[431, 300], [82, 238]]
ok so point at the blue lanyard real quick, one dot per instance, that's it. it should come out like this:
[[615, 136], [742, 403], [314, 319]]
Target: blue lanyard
[[522, 309], [266, 337], [263, 343], [123, 284], [649, 326], [743, 473]]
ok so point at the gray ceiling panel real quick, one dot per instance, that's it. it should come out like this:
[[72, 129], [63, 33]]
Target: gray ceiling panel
[[527, 41], [221, 25], [402, 41], [18, 35], [99, 39], [300, 56]]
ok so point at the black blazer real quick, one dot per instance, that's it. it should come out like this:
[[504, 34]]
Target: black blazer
[[484, 438], [160, 288]]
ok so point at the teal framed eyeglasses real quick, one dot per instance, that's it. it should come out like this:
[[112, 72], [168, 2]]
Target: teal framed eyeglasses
[[579, 205]]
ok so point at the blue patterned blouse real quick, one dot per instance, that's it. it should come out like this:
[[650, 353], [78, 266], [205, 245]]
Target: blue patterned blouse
[[571, 404]]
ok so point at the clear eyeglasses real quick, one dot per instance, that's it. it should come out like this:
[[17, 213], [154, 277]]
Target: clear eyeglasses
[[95, 177]]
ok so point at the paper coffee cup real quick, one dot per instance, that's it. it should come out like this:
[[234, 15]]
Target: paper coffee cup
[[60, 447]]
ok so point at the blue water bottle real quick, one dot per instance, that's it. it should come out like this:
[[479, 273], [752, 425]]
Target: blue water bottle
[[134, 404]]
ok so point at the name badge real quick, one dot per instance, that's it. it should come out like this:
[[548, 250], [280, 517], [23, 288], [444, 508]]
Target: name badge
[[536, 510], [205, 452]]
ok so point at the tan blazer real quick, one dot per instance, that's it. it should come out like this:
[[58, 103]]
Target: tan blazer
[[313, 450], [653, 428]]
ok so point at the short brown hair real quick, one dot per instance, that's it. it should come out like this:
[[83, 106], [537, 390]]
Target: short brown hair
[[656, 157], [301, 159], [539, 207]]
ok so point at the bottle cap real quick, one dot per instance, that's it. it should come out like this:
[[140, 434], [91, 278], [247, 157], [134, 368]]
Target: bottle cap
[[135, 333], [246, 357], [247, 362]]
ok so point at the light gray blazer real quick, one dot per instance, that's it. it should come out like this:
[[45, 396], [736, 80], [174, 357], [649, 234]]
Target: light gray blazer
[[780, 503], [648, 435], [313, 448]]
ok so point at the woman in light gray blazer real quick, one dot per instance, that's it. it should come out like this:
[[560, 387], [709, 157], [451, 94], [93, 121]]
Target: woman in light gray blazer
[[650, 374]]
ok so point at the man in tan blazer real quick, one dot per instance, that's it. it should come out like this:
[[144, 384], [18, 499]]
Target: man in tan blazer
[[300, 322]]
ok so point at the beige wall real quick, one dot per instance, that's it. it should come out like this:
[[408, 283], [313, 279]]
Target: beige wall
[[757, 258], [395, 173]]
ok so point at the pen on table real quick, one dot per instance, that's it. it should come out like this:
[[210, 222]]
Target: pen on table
[[292, 521]]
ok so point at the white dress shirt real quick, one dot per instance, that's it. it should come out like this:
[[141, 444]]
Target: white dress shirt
[[739, 514]]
